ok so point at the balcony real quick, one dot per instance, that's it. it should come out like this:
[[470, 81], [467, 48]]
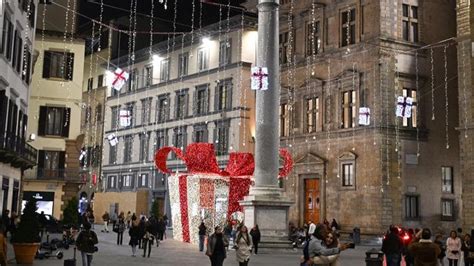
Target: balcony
[[68, 175], [15, 151]]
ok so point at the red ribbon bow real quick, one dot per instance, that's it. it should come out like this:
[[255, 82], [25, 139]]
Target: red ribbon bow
[[200, 158]]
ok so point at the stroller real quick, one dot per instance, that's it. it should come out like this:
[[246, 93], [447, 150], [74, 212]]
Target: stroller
[[49, 249]]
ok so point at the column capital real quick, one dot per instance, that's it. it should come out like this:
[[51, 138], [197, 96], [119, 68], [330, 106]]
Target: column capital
[[268, 3]]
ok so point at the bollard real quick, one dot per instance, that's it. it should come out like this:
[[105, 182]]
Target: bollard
[[374, 257], [356, 235]]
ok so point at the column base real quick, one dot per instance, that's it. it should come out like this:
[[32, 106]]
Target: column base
[[266, 207]]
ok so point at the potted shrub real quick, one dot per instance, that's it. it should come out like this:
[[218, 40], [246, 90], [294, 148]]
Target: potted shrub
[[26, 239]]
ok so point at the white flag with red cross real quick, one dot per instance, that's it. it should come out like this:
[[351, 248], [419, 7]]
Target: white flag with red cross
[[119, 78], [125, 118], [113, 140], [364, 116], [259, 78], [404, 106]]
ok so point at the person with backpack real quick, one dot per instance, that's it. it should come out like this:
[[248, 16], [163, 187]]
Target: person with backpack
[[86, 241], [119, 228]]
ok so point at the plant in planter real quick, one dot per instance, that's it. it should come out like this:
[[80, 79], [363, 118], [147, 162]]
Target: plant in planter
[[26, 239], [70, 214]]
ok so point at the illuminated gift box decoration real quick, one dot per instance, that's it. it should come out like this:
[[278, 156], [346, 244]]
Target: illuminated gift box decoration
[[205, 191]]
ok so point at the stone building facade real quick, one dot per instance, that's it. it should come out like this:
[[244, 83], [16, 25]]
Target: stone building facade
[[16, 49], [465, 37], [338, 56], [194, 88]]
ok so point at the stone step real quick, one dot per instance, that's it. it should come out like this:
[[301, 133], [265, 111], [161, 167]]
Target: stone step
[[275, 244]]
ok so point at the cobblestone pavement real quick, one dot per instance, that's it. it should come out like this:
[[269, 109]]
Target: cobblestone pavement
[[172, 252]]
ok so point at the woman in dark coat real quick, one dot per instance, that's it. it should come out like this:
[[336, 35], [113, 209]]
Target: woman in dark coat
[[134, 233], [255, 233], [216, 247]]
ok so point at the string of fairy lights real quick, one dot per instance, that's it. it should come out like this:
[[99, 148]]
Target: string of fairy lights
[[359, 76]]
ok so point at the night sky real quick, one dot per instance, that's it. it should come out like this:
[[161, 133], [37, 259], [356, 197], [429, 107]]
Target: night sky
[[163, 18]]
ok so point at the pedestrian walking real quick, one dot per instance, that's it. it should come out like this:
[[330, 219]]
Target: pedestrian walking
[[3, 245], [243, 246], [216, 247], [134, 233], [453, 248], [148, 239], [141, 231], [202, 236], [128, 219], [161, 229], [86, 241], [467, 250], [106, 219], [392, 247], [311, 229], [424, 251], [166, 220], [439, 241], [42, 221], [255, 234], [119, 228]]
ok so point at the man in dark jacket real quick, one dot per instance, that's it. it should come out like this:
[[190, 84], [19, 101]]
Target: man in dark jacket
[[424, 250], [202, 236], [392, 247], [85, 243]]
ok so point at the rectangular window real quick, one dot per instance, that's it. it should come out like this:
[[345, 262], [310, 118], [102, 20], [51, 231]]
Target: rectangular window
[[7, 37], [143, 180], [164, 70], [312, 115], [128, 149], [284, 47], [90, 84], [200, 133], [19, 54], [132, 81], [51, 164], [447, 208], [148, 76], [161, 139], [225, 48], [313, 38], [129, 107], [146, 110], [180, 138], [144, 147], [221, 138], [284, 120], [26, 75], [410, 23], [114, 117], [183, 62], [112, 154], [111, 182], [98, 113], [412, 207], [447, 179], [58, 65], [181, 110], [412, 121], [100, 81], [223, 95], [54, 121], [203, 59], [201, 103], [348, 27], [349, 109], [347, 175], [127, 181], [15, 48], [162, 109]]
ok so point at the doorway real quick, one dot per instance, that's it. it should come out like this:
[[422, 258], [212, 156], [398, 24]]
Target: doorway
[[312, 201]]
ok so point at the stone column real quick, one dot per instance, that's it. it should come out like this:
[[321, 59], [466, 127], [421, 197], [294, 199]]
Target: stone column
[[265, 205]]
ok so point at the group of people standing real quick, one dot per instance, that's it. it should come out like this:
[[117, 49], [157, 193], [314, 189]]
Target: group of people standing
[[244, 243], [420, 249]]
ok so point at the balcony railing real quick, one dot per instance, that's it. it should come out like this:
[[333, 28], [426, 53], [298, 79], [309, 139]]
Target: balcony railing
[[57, 174], [16, 151]]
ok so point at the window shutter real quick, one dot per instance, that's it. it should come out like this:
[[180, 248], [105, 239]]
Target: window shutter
[[66, 121], [205, 135], [41, 163], [62, 160], [70, 66], [195, 102], [3, 111], [42, 121], [229, 95], [46, 64]]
